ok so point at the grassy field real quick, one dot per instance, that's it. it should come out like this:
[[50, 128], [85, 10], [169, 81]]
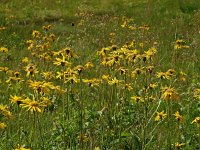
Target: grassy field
[[99, 74]]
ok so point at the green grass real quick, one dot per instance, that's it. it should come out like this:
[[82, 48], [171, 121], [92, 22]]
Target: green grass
[[105, 116]]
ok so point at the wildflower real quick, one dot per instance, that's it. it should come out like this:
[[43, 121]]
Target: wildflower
[[89, 65], [4, 69], [47, 75], [162, 75], [46, 28], [105, 77], [72, 79], [25, 60], [145, 27], [32, 105], [2, 125], [182, 76], [79, 69], [31, 70], [16, 99], [3, 49], [180, 44], [114, 81], [170, 73], [69, 52], [169, 93], [63, 62], [92, 82], [197, 93], [178, 117], [179, 145], [127, 87], [137, 99], [52, 37], [5, 112], [160, 116], [35, 34], [40, 87], [46, 101], [197, 121], [21, 147], [152, 86], [122, 70], [149, 69], [150, 53]]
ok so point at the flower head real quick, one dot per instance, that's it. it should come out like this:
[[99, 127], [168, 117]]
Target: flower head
[[160, 116]]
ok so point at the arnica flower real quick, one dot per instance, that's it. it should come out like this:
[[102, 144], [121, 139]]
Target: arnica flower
[[115, 81], [3, 49], [25, 60], [89, 65], [32, 105], [197, 93], [170, 73], [69, 53], [63, 62], [21, 147], [16, 99], [2, 125], [178, 117], [160, 116], [5, 112], [162, 75], [169, 94], [35, 34], [31, 70], [46, 28], [92, 82], [182, 76], [196, 121], [180, 44], [4, 69], [137, 99], [179, 145], [47, 75]]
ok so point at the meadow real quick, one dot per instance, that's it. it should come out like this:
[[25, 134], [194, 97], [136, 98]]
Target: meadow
[[99, 75]]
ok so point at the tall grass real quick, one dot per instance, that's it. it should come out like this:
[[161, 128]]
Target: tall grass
[[99, 74]]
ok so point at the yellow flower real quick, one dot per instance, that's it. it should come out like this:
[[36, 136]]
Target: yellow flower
[[162, 75], [3, 49], [2, 125], [32, 105], [31, 70], [92, 82], [25, 60], [137, 99], [63, 62], [197, 121], [180, 44], [47, 75], [46, 28], [197, 93], [179, 145], [169, 93], [5, 112], [114, 81], [170, 73], [178, 117], [35, 34], [21, 147], [16, 99], [160, 116], [4, 69], [89, 65]]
